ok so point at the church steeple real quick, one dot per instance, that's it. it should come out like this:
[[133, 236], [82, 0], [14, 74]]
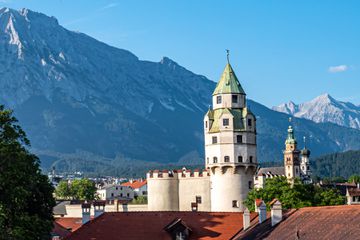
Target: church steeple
[[291, 156]]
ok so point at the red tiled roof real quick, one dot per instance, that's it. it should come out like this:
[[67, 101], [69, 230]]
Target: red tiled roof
[[69, 223], [150, 225], [60, 231], [328, 222], [135, 184]]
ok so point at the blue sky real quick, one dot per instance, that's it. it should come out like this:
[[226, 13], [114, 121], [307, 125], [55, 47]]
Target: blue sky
[[280, 50]]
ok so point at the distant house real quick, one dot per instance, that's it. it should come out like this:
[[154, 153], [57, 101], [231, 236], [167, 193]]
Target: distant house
[[353, 195], [139, 187], [264, 173], [115, 191]]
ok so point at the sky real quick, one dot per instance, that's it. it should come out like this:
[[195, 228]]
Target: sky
[[280, 50]]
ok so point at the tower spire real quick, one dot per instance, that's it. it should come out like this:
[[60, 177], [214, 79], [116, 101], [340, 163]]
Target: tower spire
[[227, 55]]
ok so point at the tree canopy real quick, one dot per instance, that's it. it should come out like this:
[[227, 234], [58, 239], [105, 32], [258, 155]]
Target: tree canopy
[[296, 196], [26, 200], [78, 189]]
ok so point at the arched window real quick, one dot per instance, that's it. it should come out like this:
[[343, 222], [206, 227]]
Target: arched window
[[240, 159], [226, 159], [215, 159]]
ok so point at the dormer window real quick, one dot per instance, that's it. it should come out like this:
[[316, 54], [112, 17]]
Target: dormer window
[[234, 98], [215, 159], [225, 122], [226, 159], [218, 99]]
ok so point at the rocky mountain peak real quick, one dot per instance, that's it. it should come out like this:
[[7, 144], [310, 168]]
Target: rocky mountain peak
[[324, 108]]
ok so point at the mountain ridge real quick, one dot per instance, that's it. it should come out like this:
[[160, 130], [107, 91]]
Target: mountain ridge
[[80, 99]]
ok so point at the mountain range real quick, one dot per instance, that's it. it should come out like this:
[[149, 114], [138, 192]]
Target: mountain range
[[92, 107], [324, 108]]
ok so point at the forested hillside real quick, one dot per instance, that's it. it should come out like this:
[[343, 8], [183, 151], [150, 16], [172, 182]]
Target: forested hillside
[[342, 164]]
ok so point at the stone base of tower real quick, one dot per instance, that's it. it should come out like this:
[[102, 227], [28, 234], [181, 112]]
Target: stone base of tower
[[230, 187]]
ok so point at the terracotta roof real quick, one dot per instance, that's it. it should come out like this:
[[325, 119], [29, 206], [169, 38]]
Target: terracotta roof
[[328, 222], [69, 223], [135, 184], [60, 231], [150, 225]]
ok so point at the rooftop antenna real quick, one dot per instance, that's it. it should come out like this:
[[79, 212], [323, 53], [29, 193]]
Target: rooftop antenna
[[227, 55]]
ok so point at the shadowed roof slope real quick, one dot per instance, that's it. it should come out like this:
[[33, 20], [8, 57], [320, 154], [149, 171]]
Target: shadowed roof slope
[[228, 82], [150, 225], [328, 222]]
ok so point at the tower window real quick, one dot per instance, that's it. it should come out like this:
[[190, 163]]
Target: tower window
[[249, 122], [214, 140], [226, 159], [206, 124], [207, 160], [234, 98], [239, 139], [218, 99], [215, 159], [225, 122], [198, 199], [251, 159], [235, 204], [250, 184], [308, 167], [240, 159]]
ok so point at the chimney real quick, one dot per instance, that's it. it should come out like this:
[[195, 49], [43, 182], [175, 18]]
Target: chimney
[[246, 219], [262, 212], [257, 204], [99, 208], [85, 207], [276, 212]]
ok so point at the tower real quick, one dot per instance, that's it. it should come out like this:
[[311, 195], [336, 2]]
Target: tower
[[230, 144], [305, 164], [291, 157]]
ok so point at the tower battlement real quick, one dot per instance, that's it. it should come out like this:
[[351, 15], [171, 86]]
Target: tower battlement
[[177, 174]]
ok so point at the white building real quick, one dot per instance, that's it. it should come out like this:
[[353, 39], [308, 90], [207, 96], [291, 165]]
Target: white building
[[113, 191], [230, 158], [139, 187]]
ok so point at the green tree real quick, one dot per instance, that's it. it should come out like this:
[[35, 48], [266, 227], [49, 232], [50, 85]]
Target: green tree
[[354, 178], [63, 190], [26, 200], [139, 200], [83, 189], [296, 196]]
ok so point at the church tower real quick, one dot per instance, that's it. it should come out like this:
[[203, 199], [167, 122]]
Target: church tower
[[230, 144], [291, 157], [305, 164]]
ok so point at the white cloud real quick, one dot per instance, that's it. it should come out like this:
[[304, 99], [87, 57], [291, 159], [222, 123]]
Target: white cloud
[[110, 5], [336, 69]]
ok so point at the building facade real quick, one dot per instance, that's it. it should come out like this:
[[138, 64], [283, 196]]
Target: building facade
[[230, 158]]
